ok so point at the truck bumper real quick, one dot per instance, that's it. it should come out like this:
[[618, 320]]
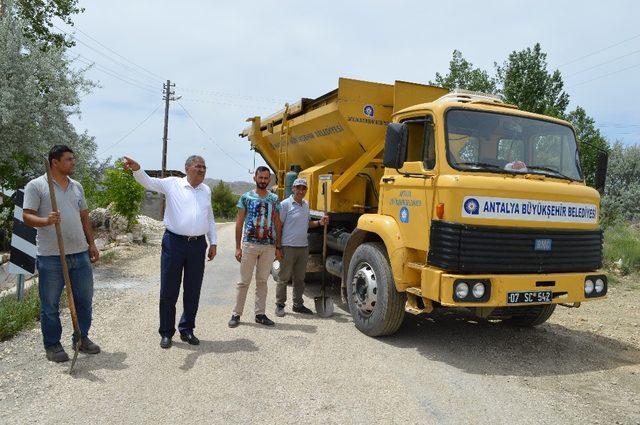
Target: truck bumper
[[564, 287]]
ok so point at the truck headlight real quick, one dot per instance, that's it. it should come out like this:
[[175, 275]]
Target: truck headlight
[[588, 286], [478, 290], [462, 290], [599, 286]]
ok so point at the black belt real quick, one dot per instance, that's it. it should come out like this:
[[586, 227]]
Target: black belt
[[187, 238]]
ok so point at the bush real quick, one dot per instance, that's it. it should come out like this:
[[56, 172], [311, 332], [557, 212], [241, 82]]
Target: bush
[[17, 315], [123, 192], [622, 247], [223, 201], [622, 190]]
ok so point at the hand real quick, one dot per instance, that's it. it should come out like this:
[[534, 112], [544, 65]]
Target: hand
[[213, 250], [94, 253], [53, 218], [324, 220], [279, 255], [239, 254], [130, 164]]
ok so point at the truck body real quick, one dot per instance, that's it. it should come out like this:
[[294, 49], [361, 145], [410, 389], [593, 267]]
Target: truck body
[[441, 200]]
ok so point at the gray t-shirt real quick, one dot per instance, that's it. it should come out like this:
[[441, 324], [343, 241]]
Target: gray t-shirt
[[295, 222], [70, 202]]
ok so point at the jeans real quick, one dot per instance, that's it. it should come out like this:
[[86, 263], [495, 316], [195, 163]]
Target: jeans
[[180, 255], [51, 286]]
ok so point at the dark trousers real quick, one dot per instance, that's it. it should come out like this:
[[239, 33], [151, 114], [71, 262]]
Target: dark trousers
[[180, 255]]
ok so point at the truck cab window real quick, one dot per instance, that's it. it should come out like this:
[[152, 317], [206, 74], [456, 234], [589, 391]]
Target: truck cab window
[[421, 142]]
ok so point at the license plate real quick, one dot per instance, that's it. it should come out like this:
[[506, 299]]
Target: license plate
[[528, 297]]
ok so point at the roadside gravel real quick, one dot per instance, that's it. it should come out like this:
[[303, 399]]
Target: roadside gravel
[[581, 367]]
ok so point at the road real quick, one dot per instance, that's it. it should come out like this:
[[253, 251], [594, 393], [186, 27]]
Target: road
[[581, 367]]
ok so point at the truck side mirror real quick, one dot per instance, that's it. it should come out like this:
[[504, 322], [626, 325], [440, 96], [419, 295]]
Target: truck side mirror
[[601, 170], [395, 145]]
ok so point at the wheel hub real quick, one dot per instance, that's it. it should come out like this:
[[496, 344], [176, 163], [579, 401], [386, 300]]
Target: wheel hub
[[365, 288]]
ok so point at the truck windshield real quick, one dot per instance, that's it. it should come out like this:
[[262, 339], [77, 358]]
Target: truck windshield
[[505, 143]]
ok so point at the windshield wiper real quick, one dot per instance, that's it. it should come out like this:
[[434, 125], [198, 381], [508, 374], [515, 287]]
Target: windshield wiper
[[552, 170], [481, 164]]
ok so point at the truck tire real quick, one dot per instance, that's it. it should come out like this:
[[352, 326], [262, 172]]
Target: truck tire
[[377, 308], [538, 316]]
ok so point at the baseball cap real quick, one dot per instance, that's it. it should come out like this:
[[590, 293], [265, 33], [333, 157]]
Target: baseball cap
[[300, 182]]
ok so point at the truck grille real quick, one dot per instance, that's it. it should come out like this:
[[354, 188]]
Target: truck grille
[[461, 248]]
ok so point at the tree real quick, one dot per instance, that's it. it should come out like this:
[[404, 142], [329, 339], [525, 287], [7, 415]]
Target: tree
[[223, 201], [622, 190], [37, 17], [590, 140], [123, 192], [463, 75], [525, 81]]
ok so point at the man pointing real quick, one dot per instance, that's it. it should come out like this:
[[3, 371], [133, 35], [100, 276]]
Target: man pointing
[[188, 218]]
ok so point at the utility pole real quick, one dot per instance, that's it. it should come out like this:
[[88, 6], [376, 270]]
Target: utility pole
[[168, 96]]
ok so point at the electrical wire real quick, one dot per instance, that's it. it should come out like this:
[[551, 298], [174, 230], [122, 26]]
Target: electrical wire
[[130, 131], [605, 75], [599, 50], [210, 138], [603, 63], [115, 74]]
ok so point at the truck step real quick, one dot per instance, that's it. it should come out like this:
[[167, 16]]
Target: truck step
[[416, 266]]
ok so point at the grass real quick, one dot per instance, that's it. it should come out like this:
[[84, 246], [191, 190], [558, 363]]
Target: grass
[[108, 257], [622, 248], [17, 315]]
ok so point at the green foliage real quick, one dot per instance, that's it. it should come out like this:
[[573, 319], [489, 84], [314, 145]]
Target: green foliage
[[17, 315], [223, 201], [525, 81], [38, 16], [463, 75], [622, 247], [123, 192], [622, 189], [589, 139]]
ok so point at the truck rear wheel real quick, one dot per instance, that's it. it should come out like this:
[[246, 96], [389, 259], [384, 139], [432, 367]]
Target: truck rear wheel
[[377, 308], [537, 316]]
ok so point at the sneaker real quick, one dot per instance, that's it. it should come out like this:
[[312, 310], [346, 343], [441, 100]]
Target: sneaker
[[56, 353], [235, 321], [264, 320], [280, 310], [301, 309], [88, 347]]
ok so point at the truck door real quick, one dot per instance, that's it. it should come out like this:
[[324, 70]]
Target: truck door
[[408, 192]]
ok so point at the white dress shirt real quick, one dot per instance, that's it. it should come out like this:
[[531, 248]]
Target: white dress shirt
[[188, 210]]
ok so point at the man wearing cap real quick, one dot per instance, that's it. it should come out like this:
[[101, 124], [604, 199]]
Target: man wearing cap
[[294, 247]]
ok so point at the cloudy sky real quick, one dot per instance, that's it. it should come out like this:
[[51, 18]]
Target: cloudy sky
[[244, 58]]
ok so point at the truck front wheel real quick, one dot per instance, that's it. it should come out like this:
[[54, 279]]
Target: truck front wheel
[[377, 308]]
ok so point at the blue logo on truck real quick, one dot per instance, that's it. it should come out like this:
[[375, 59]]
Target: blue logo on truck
[[368, 110], [404, 214], [472, 206]]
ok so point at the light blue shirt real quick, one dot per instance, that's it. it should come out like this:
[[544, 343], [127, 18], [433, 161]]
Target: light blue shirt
[[295, 222]]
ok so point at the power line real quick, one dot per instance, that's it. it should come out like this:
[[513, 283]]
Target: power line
[[603, 63], [210, 138], [115, 74], [598, 51], [234, 96], [104, 54], [130, 131], [605, 75], [119, 55]]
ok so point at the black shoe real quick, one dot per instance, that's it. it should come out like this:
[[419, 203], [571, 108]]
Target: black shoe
[[165, 342], [280, 310], [190, 338], [264, 320], [301, 309], [235, 321], [56, 353], [87, 346]]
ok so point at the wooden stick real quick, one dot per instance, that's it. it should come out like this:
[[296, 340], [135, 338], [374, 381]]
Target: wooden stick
[[65, 268]]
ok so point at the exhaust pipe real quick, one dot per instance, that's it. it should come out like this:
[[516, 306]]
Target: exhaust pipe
[[337, 239]]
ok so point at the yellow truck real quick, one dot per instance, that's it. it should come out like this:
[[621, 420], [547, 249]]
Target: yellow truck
[[441, 200]]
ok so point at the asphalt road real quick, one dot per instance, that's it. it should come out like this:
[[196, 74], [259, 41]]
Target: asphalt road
[[578, 368]]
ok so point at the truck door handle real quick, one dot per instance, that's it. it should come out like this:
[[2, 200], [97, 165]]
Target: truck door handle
[[388, 179]]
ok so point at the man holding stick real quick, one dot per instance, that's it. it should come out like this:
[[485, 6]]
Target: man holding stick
[[80, 248]]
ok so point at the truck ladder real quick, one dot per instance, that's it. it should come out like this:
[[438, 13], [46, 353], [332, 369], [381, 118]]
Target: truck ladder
[[283, 151]]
